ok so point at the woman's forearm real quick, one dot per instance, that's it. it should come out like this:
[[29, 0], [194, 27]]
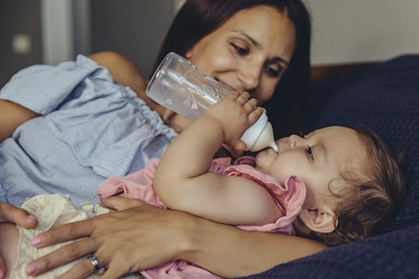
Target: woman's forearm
[[231, 252], [11, 116], [126, 73], [122, 69]]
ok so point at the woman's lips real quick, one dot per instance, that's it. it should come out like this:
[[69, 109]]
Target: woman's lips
[[226, 85]]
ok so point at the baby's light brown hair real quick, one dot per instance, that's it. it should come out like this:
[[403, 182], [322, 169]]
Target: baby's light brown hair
[[372, 194]]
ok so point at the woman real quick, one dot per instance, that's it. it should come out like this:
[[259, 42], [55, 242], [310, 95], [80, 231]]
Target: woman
[[287, 102], [249, 46]]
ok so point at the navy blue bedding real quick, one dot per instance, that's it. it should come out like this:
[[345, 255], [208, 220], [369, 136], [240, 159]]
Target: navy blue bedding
[[384, 98]]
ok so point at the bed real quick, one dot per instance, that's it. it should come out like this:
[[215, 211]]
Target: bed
[[385, 98]]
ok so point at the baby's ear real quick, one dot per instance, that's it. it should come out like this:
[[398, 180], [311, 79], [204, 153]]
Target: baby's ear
[[321, 220]]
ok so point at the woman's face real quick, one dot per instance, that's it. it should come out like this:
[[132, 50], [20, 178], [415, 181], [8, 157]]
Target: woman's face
[[249, 52]]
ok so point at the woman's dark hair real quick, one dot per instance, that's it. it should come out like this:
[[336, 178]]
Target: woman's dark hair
[[288, 108]]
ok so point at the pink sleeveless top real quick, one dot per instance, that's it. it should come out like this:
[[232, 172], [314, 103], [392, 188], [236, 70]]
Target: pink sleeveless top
[[139, 185]]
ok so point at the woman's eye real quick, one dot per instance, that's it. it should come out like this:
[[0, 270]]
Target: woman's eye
[[272, 72], [309, 152], [240, 50]]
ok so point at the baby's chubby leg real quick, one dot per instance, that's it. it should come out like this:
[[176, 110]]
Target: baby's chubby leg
[[9, 238]]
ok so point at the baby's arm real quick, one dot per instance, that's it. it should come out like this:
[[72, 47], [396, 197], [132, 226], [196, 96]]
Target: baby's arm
[[182, 180]]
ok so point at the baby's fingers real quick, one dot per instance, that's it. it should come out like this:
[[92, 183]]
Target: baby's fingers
[[250, 106], [255, 115], [242, 97]]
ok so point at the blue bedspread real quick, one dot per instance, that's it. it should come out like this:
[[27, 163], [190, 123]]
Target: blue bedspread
[[386, 99]]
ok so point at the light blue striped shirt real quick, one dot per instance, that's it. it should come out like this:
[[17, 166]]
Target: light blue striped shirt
[[91, 128]]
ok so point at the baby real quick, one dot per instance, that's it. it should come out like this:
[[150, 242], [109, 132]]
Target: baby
[[334, 185]]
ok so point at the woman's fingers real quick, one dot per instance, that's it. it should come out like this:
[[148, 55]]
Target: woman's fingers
[[12, 214], [65, 233], [67, 253], [62, 256], [83, 269], [109, 236], [104, 241], [121, 203], [125, 241]]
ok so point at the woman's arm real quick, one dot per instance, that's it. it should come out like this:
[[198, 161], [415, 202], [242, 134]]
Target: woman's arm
[[231, 252], [125, 73], [11, 116], [122, 69], [142, 236]]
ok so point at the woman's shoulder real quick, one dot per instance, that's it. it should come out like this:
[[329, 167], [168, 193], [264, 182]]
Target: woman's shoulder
[[122, 69]]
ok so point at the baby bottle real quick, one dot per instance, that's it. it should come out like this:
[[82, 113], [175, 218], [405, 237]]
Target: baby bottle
[[181, 87]]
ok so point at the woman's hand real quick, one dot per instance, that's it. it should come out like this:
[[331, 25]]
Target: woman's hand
[[15, 215], [126, 241], [12, 214], [142, 236]]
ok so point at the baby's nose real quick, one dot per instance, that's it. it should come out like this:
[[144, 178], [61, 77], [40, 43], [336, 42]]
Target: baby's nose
[[293, 141]]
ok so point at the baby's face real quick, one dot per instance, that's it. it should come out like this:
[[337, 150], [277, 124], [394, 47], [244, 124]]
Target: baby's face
[[316, 159]]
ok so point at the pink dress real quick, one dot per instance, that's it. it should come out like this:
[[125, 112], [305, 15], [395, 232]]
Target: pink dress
[[139, 185]]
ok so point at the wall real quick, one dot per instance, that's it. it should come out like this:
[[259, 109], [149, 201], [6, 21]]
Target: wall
[[57, 31], [344, 31], [20, 25], [363, 30], [131, 27]]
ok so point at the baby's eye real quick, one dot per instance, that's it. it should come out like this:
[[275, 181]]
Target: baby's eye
[[309, 153]]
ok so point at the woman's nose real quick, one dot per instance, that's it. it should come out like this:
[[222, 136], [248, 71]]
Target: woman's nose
[[250, 76], [294, 141]]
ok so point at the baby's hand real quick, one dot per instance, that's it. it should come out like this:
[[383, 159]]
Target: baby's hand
[[236, 113]]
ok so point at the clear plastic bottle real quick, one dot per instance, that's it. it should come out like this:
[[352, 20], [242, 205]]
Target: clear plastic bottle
[[181, 87]]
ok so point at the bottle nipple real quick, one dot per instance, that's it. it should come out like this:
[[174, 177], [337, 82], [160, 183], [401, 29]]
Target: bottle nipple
[[260, 135], [265, 139]]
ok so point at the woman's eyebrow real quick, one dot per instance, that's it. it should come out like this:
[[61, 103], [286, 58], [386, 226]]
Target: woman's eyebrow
[[254, 42], [257, 45], [280, 60]]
